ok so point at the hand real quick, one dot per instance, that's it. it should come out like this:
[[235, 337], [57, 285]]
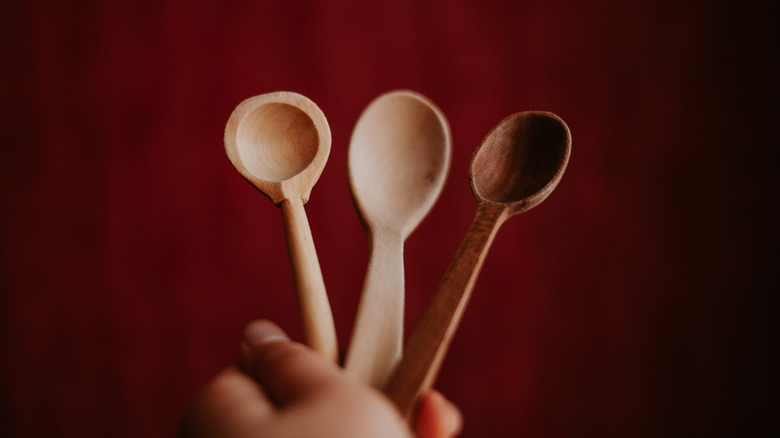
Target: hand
[[283, 389]]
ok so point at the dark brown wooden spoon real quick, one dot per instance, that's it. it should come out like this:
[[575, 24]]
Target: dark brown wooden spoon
[[516, 167]]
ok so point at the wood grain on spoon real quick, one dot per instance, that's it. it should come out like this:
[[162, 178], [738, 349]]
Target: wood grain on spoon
[[280, 142], [398, 160], [516, 167]]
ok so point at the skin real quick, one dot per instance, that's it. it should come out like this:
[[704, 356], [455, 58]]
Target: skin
[[282, 389]]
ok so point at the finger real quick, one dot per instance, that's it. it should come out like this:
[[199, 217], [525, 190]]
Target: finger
[[288, 370], [228, 405], [437, 417]]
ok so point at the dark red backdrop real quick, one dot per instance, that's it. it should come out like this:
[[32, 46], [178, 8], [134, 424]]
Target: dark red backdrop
[[634, 302]]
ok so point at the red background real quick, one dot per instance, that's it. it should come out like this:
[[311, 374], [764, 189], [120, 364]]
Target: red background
[[634, 302]]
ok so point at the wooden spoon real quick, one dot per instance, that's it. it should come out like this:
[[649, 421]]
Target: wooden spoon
[[398, 160], [516, 167], [280, 142]]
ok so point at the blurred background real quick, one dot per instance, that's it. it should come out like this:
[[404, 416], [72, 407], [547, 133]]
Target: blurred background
[[638, 300]]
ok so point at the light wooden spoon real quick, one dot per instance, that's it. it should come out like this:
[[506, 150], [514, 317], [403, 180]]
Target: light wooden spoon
[[280, 142], [516, 167], [398, 160]]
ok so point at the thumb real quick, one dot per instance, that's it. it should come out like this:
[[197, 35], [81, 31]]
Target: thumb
[[289, 371]]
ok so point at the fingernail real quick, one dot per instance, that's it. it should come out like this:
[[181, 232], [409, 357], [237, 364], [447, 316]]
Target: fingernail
[[261, 331]]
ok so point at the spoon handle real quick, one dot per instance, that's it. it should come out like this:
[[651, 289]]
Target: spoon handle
[[377, 338], [318, 328], [431, 338]]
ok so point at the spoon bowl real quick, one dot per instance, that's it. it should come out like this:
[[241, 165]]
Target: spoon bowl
[[398, 160], [521, 160], [280, 142]]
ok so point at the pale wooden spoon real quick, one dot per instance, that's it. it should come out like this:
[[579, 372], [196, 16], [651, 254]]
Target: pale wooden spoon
[[280, 142], [398, 159], [516, 167]]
